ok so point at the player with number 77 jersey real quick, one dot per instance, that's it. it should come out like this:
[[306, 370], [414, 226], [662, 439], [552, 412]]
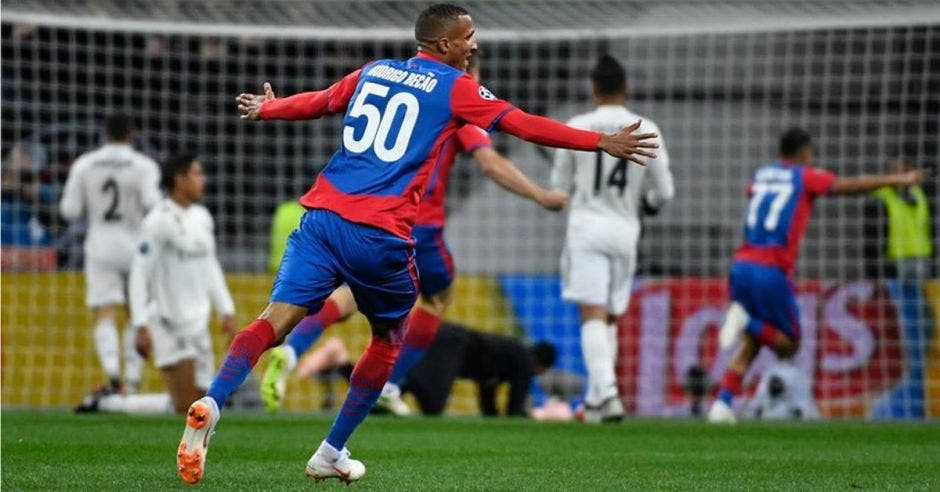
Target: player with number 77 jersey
[[763, 299], [400, 118]]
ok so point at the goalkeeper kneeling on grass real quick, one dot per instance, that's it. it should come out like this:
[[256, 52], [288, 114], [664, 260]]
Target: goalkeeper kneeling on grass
[[457, 352]]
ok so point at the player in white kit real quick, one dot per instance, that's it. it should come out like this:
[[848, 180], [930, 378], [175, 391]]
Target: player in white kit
[[599, 258], [175, 280], [111, 188]]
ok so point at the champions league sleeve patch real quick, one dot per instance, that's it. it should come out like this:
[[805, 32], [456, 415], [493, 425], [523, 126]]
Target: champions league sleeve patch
[[144, 248], [486, 94]]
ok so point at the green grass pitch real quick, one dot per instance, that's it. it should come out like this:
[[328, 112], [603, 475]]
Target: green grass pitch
[[58, 451]]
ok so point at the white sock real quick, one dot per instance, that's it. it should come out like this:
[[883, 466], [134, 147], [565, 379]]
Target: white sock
[[291, 358], [391, 389], [596, 349], [107, 346], [614, 345], [328, 452], [139, 404], [133, 362]]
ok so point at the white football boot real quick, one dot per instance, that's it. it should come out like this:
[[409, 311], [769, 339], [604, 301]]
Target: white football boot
[[201, 419], [610, 411], [327, 462], [721, 413], [735, 320], [390, 399]]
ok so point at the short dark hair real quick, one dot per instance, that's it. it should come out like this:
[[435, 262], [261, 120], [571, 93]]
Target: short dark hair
[[435, 19], [118, 127], [543, 353], [793, 140], [176, 165], [609, 76]]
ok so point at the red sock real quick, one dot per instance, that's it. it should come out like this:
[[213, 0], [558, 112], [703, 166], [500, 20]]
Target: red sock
[[731, 382], [328, 314], [243, 354], [767, 336], [251, 342], [375, 365], [422, 327]]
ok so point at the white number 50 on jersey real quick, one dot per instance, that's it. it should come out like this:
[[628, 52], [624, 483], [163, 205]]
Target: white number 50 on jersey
[[779, 193], [379, 125]]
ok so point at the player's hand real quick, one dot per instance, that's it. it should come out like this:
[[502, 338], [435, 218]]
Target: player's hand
[[553, 199], [910, 178], [249, 105], [627, 145], [229, 328], [142, 342]]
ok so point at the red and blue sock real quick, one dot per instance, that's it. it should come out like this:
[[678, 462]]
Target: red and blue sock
[[308, 331], [764, 333], [365, 386], [422, 327], [730, 386], [243, 354]]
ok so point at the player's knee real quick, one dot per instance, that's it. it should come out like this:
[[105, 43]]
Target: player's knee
[[345, 302], [787, 347], [437, 303], [391, 331]]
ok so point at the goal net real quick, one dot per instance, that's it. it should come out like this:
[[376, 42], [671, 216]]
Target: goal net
[[722, 79]]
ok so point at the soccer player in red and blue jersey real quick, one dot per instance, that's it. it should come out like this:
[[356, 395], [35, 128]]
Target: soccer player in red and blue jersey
[[435, 267], [399, 117], [763, 297]]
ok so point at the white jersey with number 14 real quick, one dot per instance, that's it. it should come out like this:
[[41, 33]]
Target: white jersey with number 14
[[606, 192]]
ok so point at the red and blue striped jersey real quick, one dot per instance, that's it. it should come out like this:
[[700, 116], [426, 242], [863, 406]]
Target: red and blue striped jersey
[[781, 200], [467, 139], [401, 116]]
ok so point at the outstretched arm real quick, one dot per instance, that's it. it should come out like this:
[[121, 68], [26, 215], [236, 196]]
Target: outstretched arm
[[303, 106], [504, 173], [476, 105], [546, 131], [865, 183]]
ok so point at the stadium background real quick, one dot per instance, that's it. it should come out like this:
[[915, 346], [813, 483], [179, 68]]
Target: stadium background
[[722, 79]]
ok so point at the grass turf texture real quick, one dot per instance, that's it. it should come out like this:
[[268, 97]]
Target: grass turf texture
[[62, 451]]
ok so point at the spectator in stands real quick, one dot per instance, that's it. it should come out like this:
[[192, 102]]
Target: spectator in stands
[[26, 241]]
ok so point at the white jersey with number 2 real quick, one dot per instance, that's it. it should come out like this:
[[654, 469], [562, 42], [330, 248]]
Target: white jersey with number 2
[[112, 187]]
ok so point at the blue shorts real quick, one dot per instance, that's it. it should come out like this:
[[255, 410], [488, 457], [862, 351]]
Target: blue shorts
[[326, 250], [768, 296], [433, 258]]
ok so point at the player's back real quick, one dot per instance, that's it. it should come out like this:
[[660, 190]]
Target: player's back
[[398, 120], [115, 186], [781, 197], [606, 191]]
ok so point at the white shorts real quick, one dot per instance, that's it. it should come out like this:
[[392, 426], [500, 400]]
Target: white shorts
[[104, 286], [170, 348], [593, 277]]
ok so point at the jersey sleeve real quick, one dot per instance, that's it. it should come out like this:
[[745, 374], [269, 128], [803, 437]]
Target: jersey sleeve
[[311, 105], [563, 170], [150, 184], [663, 188], [72, 204], [218, 291], [818, 181], [471, 138], [472, 103], [146, 256]]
